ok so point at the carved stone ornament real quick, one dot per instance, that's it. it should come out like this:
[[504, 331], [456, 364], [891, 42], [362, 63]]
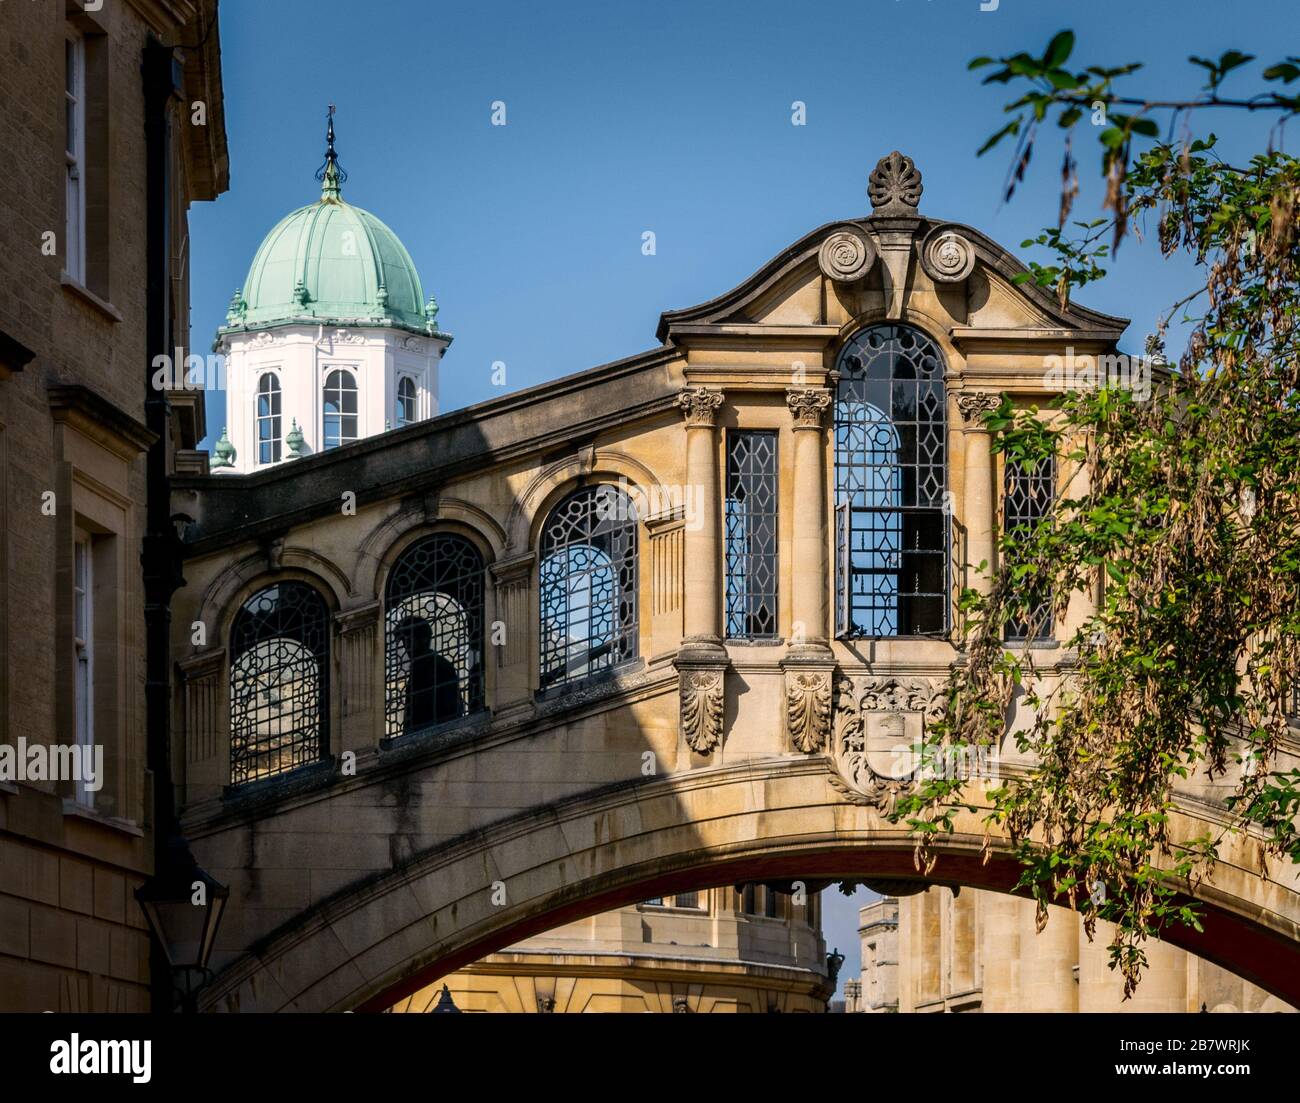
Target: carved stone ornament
[[808, 407], [808, 709], [846, 255], [894, 186], [702, 701], [879, 727], [975, 404], [700, 406], [947, 257]]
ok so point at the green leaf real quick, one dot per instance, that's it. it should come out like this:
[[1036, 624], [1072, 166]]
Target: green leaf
[[1059, 50]]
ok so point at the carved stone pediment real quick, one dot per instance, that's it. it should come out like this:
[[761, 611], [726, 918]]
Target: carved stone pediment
[[878, 729]]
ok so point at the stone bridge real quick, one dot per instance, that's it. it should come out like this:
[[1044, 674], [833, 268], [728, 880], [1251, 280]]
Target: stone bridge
[[667, 623]]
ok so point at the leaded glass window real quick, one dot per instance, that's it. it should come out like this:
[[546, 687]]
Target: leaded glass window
[[268, 419], [433, 620], [587, 583], [892, 530], [751, 535], [278, 682], [1027, 497], [340, 408]]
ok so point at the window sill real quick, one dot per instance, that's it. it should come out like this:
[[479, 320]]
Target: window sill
[[113, 823], [1047, 644], [73, 285], [603, 682]]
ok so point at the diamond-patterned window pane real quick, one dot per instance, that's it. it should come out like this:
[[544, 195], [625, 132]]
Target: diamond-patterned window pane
[[587, 585], [751, 535], [1027, 498], [891, 464], [278, 682], [433, 634]]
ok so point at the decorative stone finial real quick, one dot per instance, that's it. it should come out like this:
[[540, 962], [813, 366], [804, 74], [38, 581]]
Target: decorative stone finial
[[894, 186], [224, 452], [300, 293], [431, 315], [331, 174], [237, 309], [294, 440], [381, 297]]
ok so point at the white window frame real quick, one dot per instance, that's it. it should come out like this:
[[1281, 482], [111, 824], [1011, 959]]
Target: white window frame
[[401, 419], [74, 245], [83, 642], [277, 441], [352, 372]]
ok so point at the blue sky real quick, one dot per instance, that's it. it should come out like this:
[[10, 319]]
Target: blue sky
[[674, 117]]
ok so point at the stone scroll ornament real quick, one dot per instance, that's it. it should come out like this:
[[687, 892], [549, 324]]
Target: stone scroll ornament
[[894, 186], [702, 710], [878, 727], [947, 256], [808, 406], [699, 405], [846, 255], [808, 709]]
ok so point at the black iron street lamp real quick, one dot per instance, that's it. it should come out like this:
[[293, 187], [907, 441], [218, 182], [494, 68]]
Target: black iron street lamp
[[183, 906]]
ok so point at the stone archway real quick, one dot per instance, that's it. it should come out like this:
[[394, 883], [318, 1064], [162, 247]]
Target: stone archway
[[777, 818]]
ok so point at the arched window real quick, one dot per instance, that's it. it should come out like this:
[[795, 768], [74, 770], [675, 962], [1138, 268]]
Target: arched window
[[587, 583], [268, 418], [433, 632], [891, 527], [279, 646], [405, 401], [340, 407]]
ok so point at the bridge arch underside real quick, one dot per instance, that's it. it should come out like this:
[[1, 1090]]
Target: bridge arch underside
[[780, 819]]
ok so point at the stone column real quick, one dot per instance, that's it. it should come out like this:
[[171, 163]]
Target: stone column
[[809, 664], [360, 665], [1048, 960], [509, 633], [702, 660], [204, 708], [981, 488], [1000, 951], [703, 622]]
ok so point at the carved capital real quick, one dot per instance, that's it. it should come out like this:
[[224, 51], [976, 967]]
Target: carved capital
[[975, 404], [808, 407], [808, 708], [700, 406], [894, 186], [357, 620], [702, 696]]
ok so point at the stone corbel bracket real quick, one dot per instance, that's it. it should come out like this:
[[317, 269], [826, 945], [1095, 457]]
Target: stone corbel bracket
[[807, 701], [702, 686]]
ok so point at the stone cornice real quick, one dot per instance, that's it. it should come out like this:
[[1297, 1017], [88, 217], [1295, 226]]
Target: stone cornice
[[94, 417]]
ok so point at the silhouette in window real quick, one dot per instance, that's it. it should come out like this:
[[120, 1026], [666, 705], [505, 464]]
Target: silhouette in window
[[433, 685]]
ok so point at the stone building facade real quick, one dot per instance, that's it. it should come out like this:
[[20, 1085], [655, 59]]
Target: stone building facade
[[941, 950], [725, 950], [75, 366]]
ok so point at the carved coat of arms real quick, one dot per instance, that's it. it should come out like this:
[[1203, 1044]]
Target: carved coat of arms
[[879, 728]]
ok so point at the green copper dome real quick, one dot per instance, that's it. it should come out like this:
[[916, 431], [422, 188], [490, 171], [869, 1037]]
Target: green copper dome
[[331, 262]]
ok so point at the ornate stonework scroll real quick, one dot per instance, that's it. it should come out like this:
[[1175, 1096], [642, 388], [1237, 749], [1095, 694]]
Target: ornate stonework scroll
[[808, 407], [700, 406], [894, 186], [947, 256], [702, 707], [808, 708], [879, 726], [846, 255], [975, 404]]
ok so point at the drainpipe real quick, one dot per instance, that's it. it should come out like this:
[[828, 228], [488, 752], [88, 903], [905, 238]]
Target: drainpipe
[[160, 557]]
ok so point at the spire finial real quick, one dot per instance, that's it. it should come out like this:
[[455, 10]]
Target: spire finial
[[331, 174]]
